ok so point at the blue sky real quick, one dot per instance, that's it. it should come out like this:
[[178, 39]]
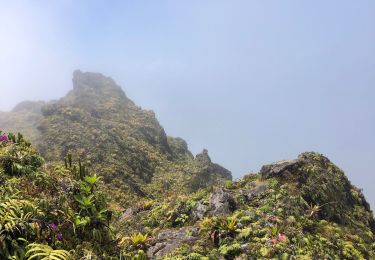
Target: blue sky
[[251, 81]]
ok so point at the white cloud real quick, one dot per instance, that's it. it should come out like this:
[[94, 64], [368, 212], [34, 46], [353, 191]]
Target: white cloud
[[32, 59]]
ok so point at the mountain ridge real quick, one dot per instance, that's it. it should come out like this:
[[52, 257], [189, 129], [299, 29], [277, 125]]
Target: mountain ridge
[[97, 122]]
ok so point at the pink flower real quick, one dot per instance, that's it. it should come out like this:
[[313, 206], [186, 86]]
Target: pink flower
[[283, 238], [273, 241]]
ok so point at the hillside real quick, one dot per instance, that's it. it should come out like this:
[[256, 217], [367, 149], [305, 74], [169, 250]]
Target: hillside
[[125, 144], [299, 209]]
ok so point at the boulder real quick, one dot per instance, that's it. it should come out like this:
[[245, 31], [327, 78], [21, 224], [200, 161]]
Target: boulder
[[221, 202], [168, 240], [199, 211], [128, 214], [254, 190], [279, 168]]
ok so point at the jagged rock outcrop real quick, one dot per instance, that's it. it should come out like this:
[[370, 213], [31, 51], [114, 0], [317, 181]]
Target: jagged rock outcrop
[[169, 240], [276, 169], [221, 202], [207, 171], [320, 183]]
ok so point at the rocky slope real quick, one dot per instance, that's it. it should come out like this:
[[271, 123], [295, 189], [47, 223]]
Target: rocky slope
[[125, 144], [299, 209]]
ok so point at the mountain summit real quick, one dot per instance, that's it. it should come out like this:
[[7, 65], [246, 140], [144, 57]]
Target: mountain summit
[[98, 123]]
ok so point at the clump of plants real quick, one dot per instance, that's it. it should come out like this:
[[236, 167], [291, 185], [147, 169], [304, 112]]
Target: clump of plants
[[60, 211], [49, 211]]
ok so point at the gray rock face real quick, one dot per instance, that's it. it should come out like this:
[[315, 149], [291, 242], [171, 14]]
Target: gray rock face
[[169, 240], [254, 191], [221, 202], [309, 157], [128, 214], [203, 157], [279, 168], [199, 211], [90, 80]]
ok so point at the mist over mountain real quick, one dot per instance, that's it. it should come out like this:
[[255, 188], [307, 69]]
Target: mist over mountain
[[192, 130], [98, 123], [106, 181]]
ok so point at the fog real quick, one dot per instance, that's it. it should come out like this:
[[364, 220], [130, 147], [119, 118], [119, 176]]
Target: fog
[[251, 81]]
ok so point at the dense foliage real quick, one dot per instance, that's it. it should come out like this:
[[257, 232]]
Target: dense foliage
[[48, 210], [304, 208]]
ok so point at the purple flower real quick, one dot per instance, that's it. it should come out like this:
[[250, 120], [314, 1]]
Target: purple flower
[[52, 226], [59, 236], [4, 138]]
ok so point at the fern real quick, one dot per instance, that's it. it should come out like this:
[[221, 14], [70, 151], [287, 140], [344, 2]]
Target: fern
[[45, 252], [17, 222], [15, 216], [230, 250]]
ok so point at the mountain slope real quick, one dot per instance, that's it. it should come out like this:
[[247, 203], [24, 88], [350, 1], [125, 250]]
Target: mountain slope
[[124, 143], [299, 209]]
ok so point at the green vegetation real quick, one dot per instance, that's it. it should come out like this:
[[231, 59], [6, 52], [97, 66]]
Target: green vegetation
[[45, 252], [60, 211], [271, 217], [45, 211]]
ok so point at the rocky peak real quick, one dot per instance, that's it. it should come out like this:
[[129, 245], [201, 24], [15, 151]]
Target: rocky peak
[[91, 80], [95, 92], [320, 182], [203, 157]]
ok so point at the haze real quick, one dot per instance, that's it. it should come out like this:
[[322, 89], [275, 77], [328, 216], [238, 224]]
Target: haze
[[251, 81]]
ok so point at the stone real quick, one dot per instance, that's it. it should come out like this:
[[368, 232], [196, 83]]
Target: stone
[[278, 168], [221, 202], [199, 211], [254, 190], [168, 240], [128, 214]]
